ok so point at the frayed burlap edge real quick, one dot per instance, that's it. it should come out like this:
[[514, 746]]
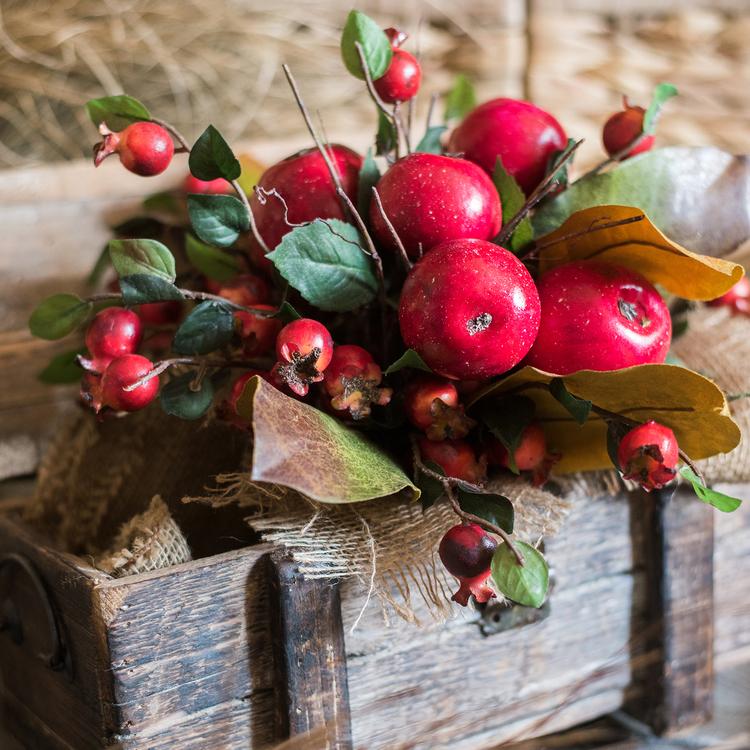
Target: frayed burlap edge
[[151, 540]]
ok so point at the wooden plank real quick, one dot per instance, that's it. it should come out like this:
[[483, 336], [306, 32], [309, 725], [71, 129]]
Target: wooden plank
[[309, 656], [679, 687], [188, 643]]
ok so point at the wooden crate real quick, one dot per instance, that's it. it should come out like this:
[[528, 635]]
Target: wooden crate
[[238, 650]]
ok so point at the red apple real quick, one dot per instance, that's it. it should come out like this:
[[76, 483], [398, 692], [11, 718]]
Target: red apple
[[430, 199], [304, 182], [598, 316], [520, 133], [470, 309]]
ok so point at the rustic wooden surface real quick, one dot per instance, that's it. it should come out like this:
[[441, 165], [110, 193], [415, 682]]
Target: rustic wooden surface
[[309, 655]]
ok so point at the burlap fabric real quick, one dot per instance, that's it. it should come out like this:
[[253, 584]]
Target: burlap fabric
[[149, 541]]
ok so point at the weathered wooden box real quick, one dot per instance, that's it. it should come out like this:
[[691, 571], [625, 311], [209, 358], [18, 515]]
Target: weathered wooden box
[[237, 650]]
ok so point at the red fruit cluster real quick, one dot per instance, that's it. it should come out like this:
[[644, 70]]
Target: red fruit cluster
[[648, 455], [466, 550]]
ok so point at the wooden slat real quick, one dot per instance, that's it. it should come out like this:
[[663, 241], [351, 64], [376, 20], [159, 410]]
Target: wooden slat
[[309, 655]]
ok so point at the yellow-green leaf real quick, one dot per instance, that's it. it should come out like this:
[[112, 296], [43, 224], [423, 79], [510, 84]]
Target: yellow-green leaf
[[692, 405], [298, 446], [639, 246]]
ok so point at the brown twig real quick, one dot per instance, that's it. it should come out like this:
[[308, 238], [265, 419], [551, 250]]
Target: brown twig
[[689, 462], [203, 363], [381, 105], [431, 110], [539, 192], [404, 130], [449, 484], [616, 157], [394, 234]]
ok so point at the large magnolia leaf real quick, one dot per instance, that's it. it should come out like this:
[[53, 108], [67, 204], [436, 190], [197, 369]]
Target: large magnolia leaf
[[693, 406], [700, 197], [298, 446], [641, 247]]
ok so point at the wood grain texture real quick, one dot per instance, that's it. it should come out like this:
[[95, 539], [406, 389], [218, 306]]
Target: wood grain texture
[[309, 656]]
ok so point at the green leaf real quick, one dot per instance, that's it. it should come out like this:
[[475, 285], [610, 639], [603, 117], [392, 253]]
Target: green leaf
[[208, 327], [579, 408], [496, 509], [385, 138], [286, 313], [655, 183], [210, 261], [116, 111], [62, 369], [616, 431], [130, 257], [180, 400], [662, 93], [525, 584], [101, 264], [506, 419], [211, 157], [340, 464], [368, 178], [324, 261], [432, 489], [141, 288], [375, 45], [408, 359], [218, 219], [512, 199], [719, 500], [430, 143], [58, 315], [461, 99]]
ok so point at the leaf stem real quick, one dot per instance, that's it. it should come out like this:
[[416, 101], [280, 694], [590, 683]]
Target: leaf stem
[[394, 234], [541, 190], [616, 157]]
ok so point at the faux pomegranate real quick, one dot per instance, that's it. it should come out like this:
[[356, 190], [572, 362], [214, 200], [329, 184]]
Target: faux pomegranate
[[430, 199], [599, 316], [470, 309], [466, 550], [520, 133], [401, 81], [306, 186], [160, 313], [456, 458], [530, 455], [352, 380], [258, 334], [432, 405], [143, 147], [219, 186], [116, 384], [304, 348], [622, 128], [648, 454]]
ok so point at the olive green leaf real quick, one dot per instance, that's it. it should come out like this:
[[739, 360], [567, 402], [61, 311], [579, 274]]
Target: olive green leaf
[[375, 45], [58, 315], [525, 584]]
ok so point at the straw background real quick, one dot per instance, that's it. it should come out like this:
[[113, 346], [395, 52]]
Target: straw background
[[196, 62]]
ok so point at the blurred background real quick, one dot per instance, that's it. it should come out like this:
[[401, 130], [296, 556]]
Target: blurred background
[[200, 61]]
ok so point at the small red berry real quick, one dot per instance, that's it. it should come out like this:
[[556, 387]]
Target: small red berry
[[466, 550], [113, 332], [160, 313], [430, 199], [523, 135], [304, 348], [258, 334], [456, 458], [432, 405], [219, 186], [228, 409], [120, 375], [470, 309], [143, 147], [247, 290], [530, 454], [401, 81], [648, 454], [598, 316], [737, 298], [622, 128], [352, 379]]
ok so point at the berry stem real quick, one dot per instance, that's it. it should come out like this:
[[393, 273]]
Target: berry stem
[[381, 105], [431, 110], [616, 157], [540, 191], [449, 484], [689, 462], [394, 234], [203, 363], [397, 118]]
